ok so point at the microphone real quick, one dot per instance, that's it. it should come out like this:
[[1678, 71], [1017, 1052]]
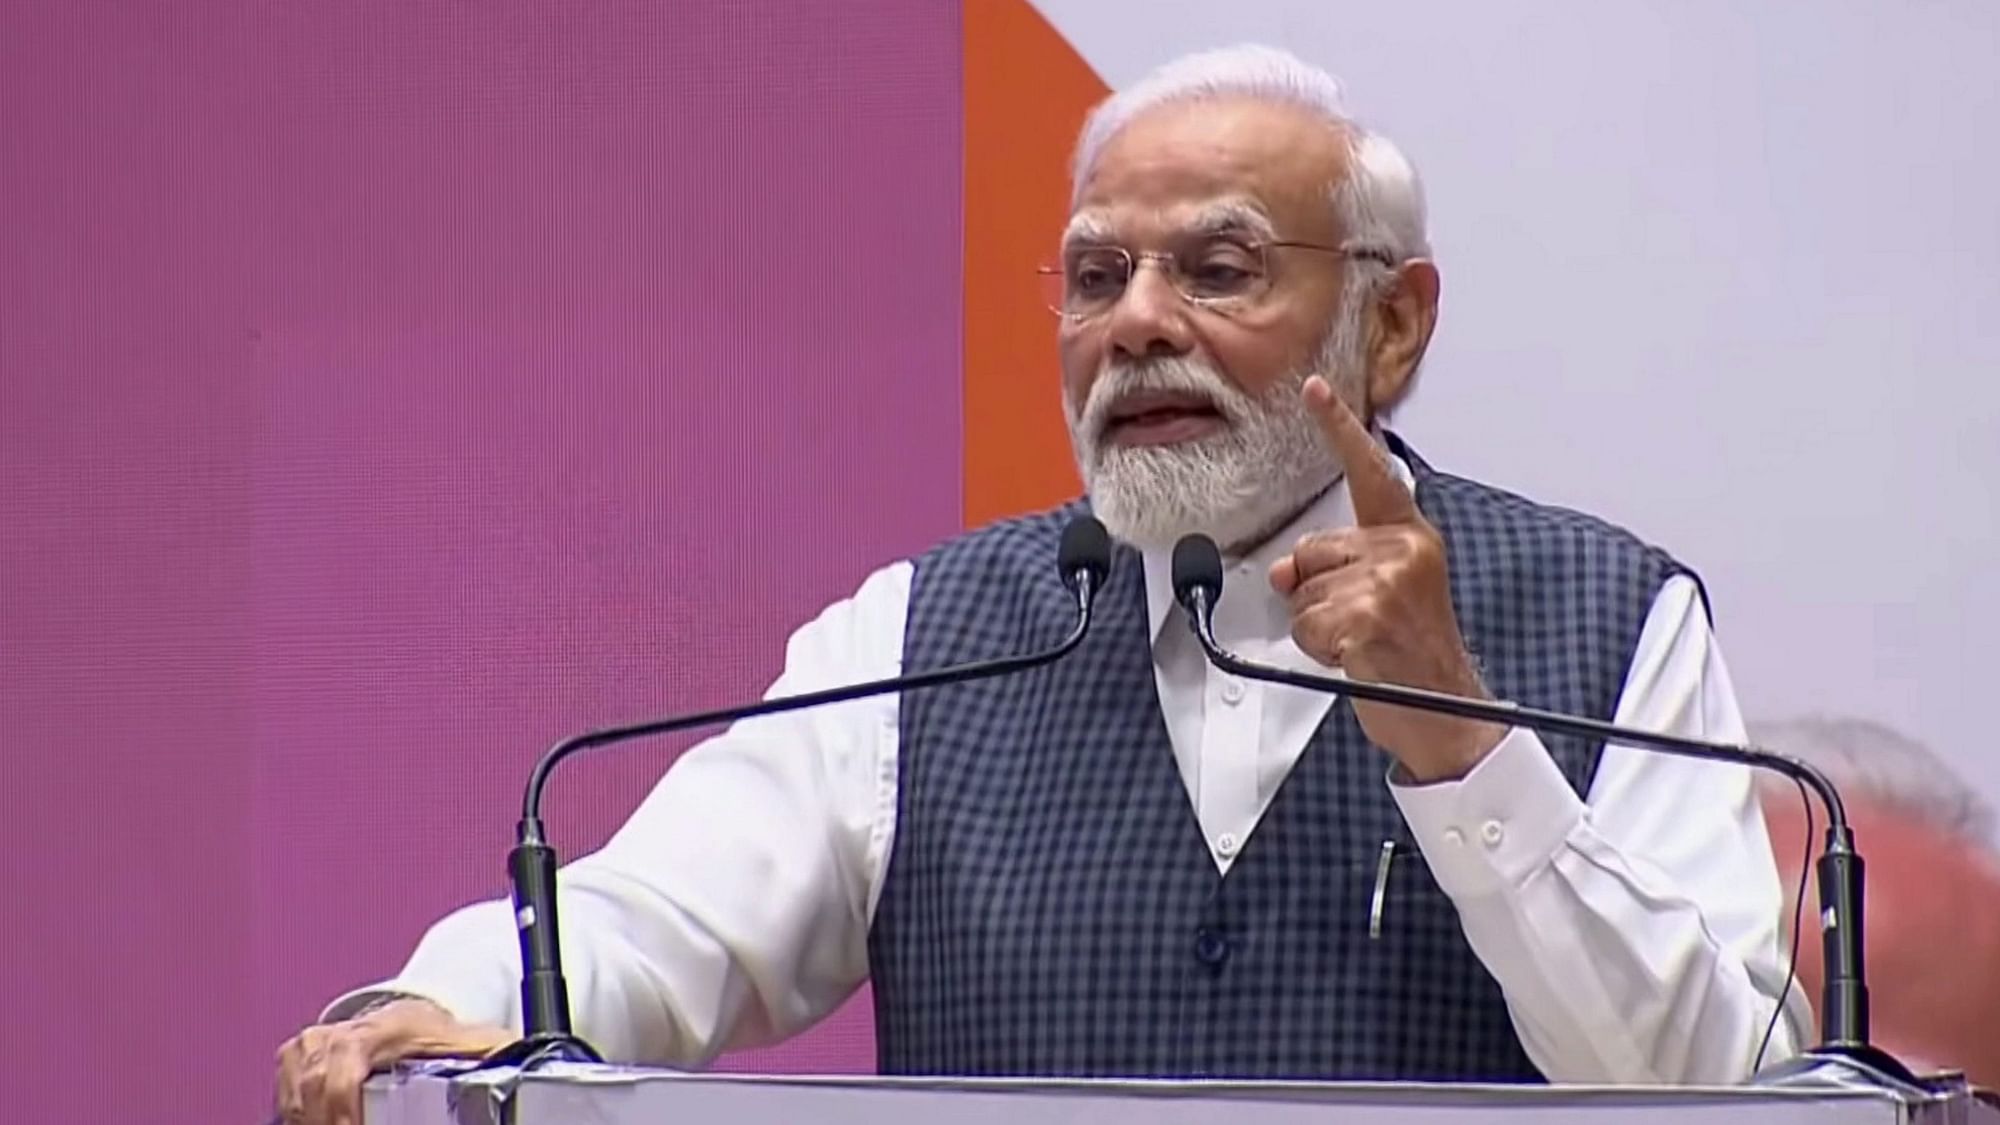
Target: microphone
[[1197, 579], [1083, 561]]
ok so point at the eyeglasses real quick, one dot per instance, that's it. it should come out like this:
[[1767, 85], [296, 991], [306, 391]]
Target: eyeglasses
[[1221, 274]]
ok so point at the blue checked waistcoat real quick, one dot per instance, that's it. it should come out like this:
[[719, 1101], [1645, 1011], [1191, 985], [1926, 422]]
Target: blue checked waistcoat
[[1051, 906]]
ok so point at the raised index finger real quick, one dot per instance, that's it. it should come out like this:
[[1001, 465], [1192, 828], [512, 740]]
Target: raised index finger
[[1379, 497]]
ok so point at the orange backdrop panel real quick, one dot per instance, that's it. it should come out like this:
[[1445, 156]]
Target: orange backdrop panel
[[1026, 94]]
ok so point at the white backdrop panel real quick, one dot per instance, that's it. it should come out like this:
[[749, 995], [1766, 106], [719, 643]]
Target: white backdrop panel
[[1727, 273]]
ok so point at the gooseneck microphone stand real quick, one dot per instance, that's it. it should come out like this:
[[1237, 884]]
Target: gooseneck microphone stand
[[1844, 1053], [1083, 561]]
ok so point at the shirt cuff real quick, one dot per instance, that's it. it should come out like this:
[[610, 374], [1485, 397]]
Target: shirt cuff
[[352, 1004], [1487, 832]]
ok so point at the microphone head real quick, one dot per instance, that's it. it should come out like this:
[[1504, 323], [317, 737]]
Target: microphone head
[[1086, 548], [1197, 566]]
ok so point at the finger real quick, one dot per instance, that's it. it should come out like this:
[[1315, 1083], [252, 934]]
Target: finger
[[1328, 550], [312, 1095], [1325, 550], [318, 1048], [1324, 632], [1379, 497], [1284, 575], [1351, 601], [347, 1069], [1331, 587], [291, 1058]]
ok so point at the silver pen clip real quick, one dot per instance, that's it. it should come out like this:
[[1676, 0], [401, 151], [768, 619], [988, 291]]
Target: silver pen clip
[[1381, 899]]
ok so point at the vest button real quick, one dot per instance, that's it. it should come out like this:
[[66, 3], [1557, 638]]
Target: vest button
[[1210, 948]]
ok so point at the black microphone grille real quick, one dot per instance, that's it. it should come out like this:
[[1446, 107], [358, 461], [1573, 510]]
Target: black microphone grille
[[1086, 546], [1197, 566]]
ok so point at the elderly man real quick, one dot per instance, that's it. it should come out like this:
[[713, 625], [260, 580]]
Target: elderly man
[[1128, 863], [1933, 893]]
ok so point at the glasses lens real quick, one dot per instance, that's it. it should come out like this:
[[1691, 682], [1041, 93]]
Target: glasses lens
[[1093, 279], [1221, 270]]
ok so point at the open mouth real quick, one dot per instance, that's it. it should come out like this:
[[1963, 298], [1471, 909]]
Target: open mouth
[[1154, 418]]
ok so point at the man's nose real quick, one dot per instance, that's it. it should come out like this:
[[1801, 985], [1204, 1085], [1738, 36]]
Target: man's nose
[[1150, 319]]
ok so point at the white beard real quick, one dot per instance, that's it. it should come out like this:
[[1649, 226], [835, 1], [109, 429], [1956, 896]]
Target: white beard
[[1237, 486]]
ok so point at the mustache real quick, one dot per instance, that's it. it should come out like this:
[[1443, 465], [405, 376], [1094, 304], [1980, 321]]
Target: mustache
[[1178, 375]]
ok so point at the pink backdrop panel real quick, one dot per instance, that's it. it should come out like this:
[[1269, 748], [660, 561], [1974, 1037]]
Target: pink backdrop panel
[[387, 389]]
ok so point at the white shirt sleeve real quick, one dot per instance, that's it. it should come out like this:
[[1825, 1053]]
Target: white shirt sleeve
[[1635, 936], [732, 908]]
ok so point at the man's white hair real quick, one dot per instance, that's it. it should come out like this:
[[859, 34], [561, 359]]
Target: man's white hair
[[1379, 202], [1869, 759]]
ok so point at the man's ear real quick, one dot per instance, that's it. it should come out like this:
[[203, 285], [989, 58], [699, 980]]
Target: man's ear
[[1400, 323]]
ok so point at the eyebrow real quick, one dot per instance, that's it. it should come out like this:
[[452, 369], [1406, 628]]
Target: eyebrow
[[1222, 217], [1233, 216], [1087, 228]]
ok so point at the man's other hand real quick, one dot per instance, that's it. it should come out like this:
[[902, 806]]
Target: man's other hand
[[321, 1069]]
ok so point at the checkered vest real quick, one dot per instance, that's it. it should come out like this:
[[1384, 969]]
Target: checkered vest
[[1051, 907]]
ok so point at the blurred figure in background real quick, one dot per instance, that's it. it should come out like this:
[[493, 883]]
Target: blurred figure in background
[[1932, 926]]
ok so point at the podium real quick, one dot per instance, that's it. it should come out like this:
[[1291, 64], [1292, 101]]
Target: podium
[[563, 1094]]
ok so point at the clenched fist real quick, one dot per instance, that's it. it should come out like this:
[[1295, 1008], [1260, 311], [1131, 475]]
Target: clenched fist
[[321, 1069]]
